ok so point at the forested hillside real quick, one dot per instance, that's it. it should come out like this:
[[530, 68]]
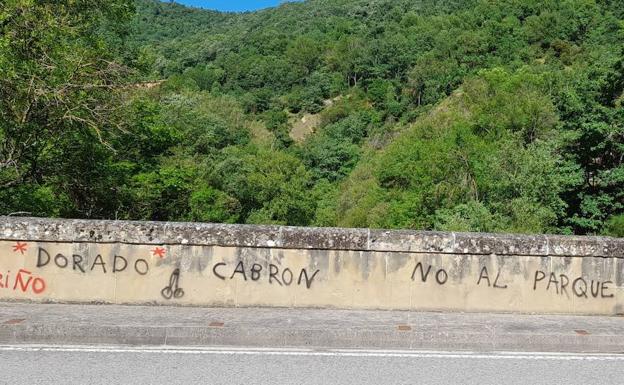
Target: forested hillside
[[471, 115]]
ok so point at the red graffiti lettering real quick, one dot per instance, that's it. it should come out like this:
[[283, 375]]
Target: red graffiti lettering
[[24, 281], [38, 285], [19, 280]]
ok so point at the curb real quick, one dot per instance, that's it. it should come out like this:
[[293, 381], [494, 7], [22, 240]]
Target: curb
[[400, 338]]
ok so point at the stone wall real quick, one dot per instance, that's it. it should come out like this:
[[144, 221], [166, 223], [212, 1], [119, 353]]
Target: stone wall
[[193, 264]]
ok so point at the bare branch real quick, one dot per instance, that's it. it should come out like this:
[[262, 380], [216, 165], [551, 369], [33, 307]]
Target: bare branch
[[20, 213]]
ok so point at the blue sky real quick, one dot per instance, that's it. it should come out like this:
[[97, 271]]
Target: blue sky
[[232, 5]]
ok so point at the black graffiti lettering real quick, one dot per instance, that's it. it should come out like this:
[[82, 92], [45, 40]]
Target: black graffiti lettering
[[63, 259], [595, 292], [145, 266], [214, 270], [255, 272], [41, 262], [496, 285], [439, 274], [240, 269], [285, 277], [281, 275], [101, 263], [423, 275], [553, 279], [605, 287], [76, 262], [287, 280], [308, 280], [564, 281], [115, 266], [173, 291], [273, 271], [579, 287], [579, 290], [484, 274], [536, 279]]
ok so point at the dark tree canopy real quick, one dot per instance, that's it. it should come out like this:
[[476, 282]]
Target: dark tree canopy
[[470, 115]]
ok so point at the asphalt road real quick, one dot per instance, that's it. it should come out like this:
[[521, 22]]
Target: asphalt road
[[97, 365]]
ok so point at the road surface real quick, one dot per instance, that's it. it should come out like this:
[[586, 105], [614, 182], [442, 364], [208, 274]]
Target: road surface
[[124, 365]]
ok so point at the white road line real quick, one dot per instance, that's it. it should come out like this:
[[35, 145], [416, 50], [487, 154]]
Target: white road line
[[321, 353]]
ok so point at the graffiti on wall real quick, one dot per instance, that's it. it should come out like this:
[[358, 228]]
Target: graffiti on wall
[[89, 264], [173, 290], [579, 287], [559, 284], [272, 275], [79, 263], [159, 273], [23, 280]]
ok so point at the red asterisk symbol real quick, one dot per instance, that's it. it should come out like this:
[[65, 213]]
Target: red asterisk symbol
[[21, 247], [159, 251]]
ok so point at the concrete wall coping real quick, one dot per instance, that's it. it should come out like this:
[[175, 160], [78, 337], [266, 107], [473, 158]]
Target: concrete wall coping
[[178, 233]]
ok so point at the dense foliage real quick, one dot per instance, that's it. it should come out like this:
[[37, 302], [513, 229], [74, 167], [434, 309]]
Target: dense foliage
[[473, 115]]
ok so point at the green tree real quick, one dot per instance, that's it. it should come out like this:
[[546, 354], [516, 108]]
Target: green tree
[[58, 79], [272, 186]]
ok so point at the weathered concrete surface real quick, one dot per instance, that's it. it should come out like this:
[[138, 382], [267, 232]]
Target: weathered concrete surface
[[223, 265], [306, 328]]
